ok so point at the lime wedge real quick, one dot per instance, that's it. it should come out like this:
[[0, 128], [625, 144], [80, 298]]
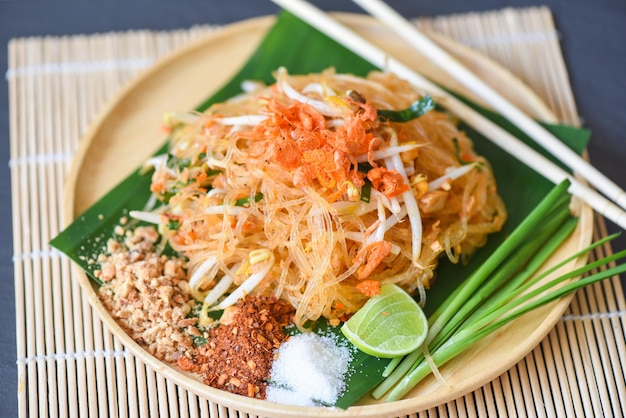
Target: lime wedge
[[390, 324]]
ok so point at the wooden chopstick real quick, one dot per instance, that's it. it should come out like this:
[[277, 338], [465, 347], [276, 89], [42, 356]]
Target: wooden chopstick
[[341, 34], [539, 134]]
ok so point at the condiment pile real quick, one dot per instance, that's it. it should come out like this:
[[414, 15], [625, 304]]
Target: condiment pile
[[249, 353], [321, 362]]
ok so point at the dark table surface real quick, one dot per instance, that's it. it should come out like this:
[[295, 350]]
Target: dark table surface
[[593, 39]]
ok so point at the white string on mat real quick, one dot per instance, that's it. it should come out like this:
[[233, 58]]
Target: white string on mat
[[56, 157], [17, 178], [76, 387], [47, 198], [78, 67], [508, 39], [57, 180], [73, 356], [447, 63]]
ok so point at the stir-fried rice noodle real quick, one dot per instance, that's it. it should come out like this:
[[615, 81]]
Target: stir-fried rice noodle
[[264, 195]]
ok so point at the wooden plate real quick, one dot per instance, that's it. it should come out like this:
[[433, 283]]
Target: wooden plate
[[128, 131]]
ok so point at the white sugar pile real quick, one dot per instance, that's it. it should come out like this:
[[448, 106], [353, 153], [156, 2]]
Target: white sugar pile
[[309, 371]]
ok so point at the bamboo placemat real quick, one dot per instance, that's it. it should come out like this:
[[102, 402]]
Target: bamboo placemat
[[70, 365]]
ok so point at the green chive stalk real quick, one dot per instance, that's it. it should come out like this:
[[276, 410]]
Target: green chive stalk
[[516, 270], [504, 251], [522, 262], [473, 333], [496, 295]]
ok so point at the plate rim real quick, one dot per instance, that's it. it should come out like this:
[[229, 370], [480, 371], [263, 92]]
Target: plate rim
[[407, 405]]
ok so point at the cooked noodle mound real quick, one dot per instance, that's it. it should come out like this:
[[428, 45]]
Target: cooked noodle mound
[[305, 190]]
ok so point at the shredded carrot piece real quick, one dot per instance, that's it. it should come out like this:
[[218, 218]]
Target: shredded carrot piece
[[371, 255], [157, 187], [201, 176], [369, 287]]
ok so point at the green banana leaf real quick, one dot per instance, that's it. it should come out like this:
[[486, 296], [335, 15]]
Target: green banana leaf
[[520, 187]]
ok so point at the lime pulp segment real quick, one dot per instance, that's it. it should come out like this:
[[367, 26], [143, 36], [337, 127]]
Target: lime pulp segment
[[390, 324]]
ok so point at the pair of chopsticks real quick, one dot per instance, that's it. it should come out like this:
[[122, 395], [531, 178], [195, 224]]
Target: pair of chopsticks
[[341, 34]]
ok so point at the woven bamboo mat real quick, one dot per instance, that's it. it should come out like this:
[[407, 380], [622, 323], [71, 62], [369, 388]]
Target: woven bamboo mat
[[70, 365]]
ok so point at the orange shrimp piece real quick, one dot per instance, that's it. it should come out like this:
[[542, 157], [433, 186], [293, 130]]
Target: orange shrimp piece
[[291, 130], [352, 137], [329, 168], [294, 115], [369, 287], [371, 256], [388, 182], [285, 152], [368, 113], [304, 175], [201, 177]]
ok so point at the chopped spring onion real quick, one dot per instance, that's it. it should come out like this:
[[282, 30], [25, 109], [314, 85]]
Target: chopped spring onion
[[457, 151], [173, 224], [366, 191], [414, 111], [244, 201], [175, 162]]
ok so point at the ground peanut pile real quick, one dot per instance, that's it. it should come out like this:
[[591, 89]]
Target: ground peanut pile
[[148, 294], [239, 354]]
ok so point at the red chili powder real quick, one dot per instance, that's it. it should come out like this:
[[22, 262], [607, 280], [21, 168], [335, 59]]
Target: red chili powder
[[239, 354]]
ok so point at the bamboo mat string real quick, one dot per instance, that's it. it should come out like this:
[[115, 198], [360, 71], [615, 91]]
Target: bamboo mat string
[[69, 364]]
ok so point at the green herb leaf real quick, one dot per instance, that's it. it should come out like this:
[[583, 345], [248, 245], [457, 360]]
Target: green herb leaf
[[199, 341], [173, 224], [244, 201], [366, 190], [177, 163], [414, 111]]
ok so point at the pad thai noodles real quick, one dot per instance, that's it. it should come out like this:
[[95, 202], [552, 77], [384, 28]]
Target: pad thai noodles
[[317, 190]]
